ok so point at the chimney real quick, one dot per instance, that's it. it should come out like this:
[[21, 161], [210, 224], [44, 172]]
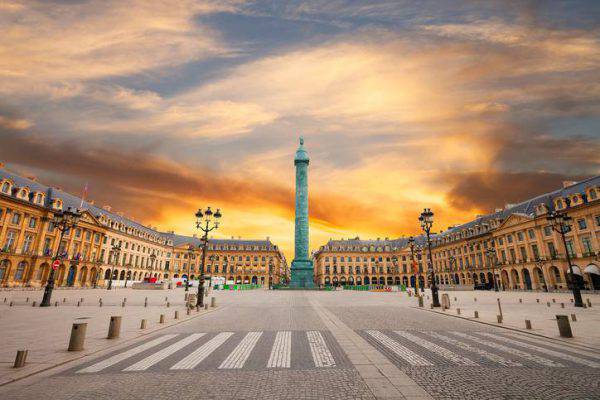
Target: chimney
[[268, 238], [232, 238], [239, 238], [566, 184], [195, 236], [32, 178], [91, 202], [498, 210], [107, 208], [1, 164], [387, 238], [120, 213]]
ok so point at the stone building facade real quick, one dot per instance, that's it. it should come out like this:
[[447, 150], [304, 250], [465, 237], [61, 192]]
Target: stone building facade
[[232, 260], [527, 255], [369, 262], [105, 243]]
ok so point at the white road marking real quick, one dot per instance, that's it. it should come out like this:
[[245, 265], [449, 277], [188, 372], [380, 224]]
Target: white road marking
[[319, 350], [557, 354], [401, 351], [447, 354], [481, 352], [510, 350], [281, 351], [125, 355], [202, 352], [152, 359], [561, 346], [240, 354]]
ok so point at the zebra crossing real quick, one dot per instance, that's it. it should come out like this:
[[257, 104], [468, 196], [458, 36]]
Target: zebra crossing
[[476, 349], [226, 351], [264, 350]]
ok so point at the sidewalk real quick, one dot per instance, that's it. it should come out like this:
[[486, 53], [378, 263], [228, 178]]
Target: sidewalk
[[543, 318], [45, 332]]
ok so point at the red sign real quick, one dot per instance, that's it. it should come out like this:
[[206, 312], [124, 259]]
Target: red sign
[[55, 264]]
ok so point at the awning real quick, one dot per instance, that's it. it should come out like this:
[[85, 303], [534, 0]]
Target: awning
[[576, 270], [592, 269]]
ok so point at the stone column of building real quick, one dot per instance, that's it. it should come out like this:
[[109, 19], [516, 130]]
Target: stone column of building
[[302, 269]]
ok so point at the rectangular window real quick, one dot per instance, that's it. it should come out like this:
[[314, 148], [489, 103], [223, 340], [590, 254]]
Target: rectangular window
[[597, 220], [500, 241], [552, 250], [27, 243], [570, 248], [16, 219], [547, 230], [586, 245], [523, 254], [531, 234], [11, 236], [535, 251], [32, 222], [509, 238], [520, 236], [503, 256], [513, 256], [581, 223], [48, 246]]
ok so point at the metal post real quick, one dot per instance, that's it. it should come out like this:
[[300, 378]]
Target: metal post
[[114, 327], [200, 301], [50, 285]]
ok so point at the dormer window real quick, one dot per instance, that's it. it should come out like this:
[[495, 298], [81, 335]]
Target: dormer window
[[39, 198], [592, 194], [6, 187], [57, 204], [23, 194], [560, 204]]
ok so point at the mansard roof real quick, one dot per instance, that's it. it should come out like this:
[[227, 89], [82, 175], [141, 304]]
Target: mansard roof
[[526, 207]]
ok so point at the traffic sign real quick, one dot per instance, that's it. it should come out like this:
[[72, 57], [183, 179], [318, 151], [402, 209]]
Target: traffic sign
[[55, 264]]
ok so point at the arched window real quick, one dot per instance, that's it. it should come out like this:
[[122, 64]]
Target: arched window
[[6, 188]]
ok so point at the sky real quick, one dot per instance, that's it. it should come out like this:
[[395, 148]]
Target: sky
[[163, 107]]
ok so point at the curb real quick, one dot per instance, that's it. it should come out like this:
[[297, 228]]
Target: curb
[[122, 344], [581, 346]]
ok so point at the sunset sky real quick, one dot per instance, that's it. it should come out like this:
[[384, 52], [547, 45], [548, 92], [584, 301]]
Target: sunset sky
[[164, 107]]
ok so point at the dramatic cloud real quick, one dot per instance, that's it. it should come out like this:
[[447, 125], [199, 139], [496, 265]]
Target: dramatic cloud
[[166, 105], [489, 191]]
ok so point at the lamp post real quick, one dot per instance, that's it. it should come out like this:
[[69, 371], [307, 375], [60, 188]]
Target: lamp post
[[560, 224], [426, 219], [63, 221], [116, 249], [492, 257], [211, 258], [206, 221], [190, 254], [270, 274]]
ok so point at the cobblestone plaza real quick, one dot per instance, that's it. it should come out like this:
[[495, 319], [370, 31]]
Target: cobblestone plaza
[[299, 345]]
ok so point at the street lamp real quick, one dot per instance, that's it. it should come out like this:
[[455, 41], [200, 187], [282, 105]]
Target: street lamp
[[270, 274], [63, 221], [116, 249], [426, 219], [206, 221], [560, 224], [190, 254], [493, 257]]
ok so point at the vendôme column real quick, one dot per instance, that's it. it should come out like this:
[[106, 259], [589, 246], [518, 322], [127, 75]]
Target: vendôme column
[[302, 266]]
